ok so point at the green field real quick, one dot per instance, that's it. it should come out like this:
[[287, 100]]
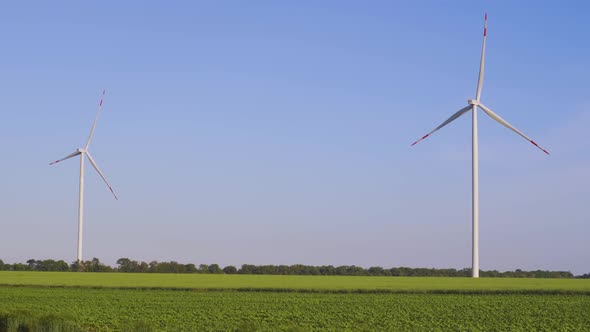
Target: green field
[[168, 302], [294, 283], [105, 309]]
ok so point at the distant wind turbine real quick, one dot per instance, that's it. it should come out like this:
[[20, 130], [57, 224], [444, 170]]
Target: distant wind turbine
[[473, 104], [84, 152]]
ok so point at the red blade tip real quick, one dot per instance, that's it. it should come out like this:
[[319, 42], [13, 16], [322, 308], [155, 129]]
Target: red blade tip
[[111, 189], [423, 137], [537, 145]]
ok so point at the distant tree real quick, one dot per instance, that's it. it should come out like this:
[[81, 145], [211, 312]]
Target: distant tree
[[62, 266], [177, 268], [297, 269], [357, 271], [18, 267], [134, 266], [214, 268], [268, 269], [283, 269], [341, 270], [164, 267], [230, 269], [124, 264], [312, 270], [46, 265], [31, 264], [127, 265], [96, 266], [87, 266], [203, 268], [76, 267], [153, 267], [466, 272], [142, 267], [247, 269], [376, 271], [327, 270], [190, 268]]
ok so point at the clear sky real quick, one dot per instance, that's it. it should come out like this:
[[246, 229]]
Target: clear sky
[[278, 132]]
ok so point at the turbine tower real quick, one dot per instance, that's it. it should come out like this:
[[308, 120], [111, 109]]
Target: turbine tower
[[83, 152], [473, 104]]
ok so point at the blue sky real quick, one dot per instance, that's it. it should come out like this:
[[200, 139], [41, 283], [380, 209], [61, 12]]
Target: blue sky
[[277, 132]]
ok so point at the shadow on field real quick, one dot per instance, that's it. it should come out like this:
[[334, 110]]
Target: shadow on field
[[26, 321], [249, 326]]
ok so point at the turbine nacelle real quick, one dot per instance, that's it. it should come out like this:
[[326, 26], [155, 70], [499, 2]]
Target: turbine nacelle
[[473, 102], [79, 150]]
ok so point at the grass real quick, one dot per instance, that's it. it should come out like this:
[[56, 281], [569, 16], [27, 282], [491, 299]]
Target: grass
[[216, 282], [55, 301], [107, 309], [25, 321]]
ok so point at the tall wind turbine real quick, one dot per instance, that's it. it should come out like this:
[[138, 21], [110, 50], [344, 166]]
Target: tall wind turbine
[[82, 152], [473, 104]]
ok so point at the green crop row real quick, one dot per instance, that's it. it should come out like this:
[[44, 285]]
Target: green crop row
[[297, 283], [115, 309]]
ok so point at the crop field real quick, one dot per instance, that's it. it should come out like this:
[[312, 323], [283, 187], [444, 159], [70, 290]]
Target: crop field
[[115, 302], [109, 309], [296, 283]]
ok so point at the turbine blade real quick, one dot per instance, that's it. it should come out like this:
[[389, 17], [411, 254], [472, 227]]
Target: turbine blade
[[483, 59], [509, 126], [100, 173], [95, 119], [66, 157], [449, 120]]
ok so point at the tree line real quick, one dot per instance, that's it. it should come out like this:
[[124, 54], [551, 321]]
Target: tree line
[[132, 266]]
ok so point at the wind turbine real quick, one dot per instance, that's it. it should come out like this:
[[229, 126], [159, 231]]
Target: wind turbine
[[473, 104], [83, 152]]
